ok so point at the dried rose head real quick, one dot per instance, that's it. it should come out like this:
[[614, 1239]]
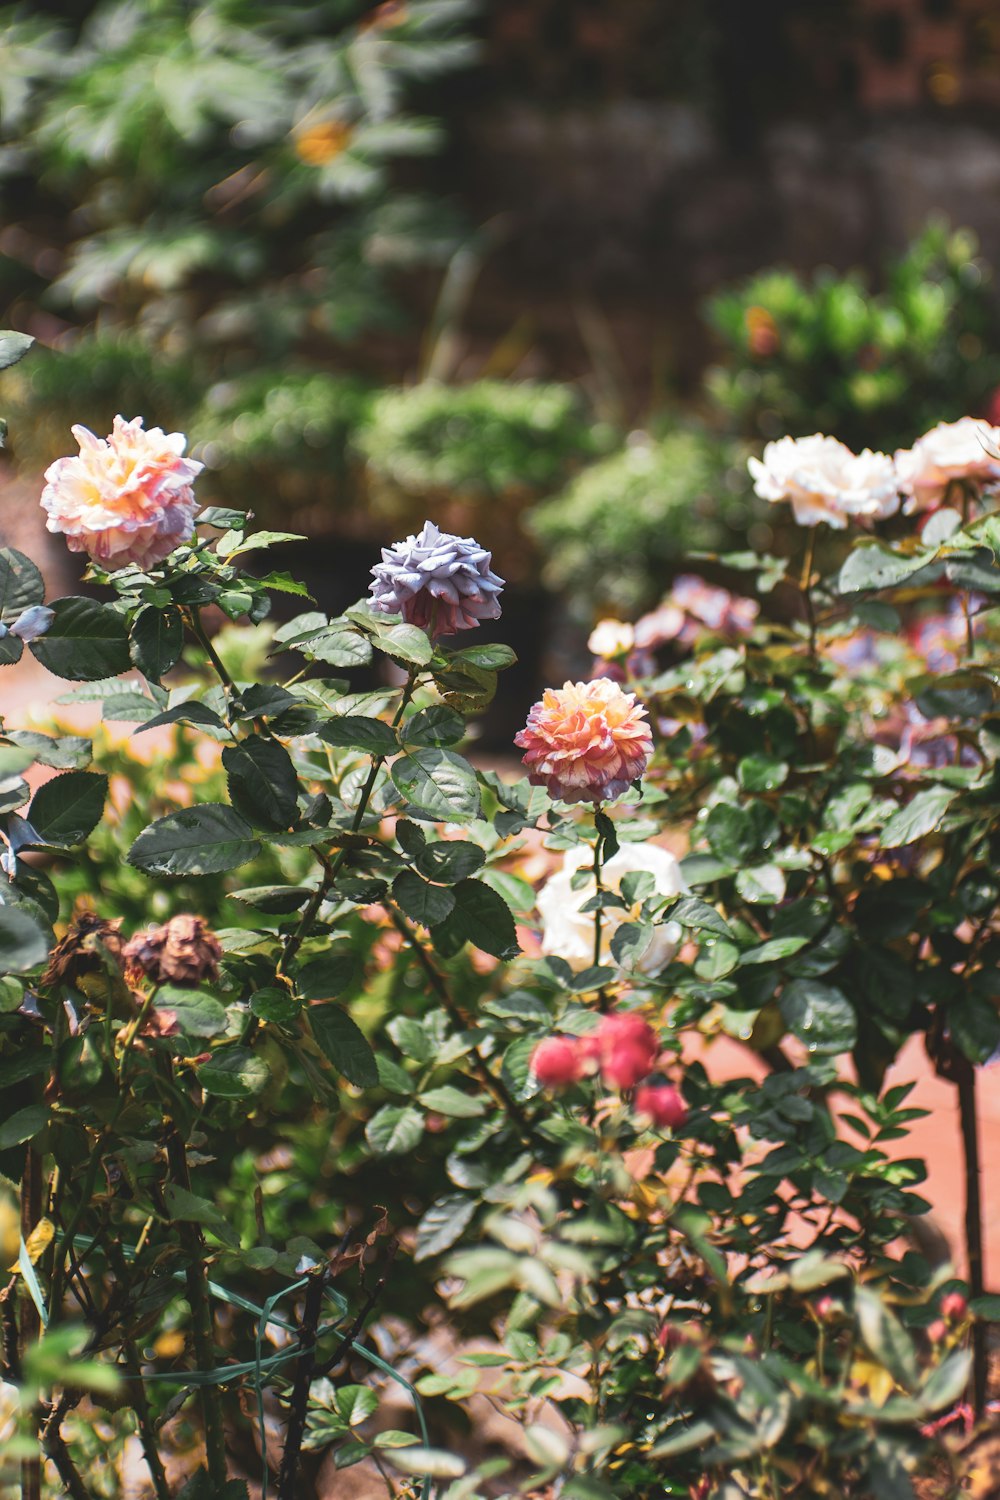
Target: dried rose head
[[89, 942], [183, 951]]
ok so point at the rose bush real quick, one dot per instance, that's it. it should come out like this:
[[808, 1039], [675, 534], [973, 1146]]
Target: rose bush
[[327, 1096]]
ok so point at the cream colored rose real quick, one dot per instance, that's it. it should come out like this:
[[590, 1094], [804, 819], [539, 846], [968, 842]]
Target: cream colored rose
[[611, 638], [568, 932], [825, 481], [966, 450]]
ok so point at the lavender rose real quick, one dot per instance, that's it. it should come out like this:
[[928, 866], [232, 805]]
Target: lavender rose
[[440, 582]]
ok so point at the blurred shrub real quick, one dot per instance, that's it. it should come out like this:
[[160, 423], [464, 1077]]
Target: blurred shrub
[[827, 354], [297, 428], [612, 538], [218, 175], [100, 374], [479, 442], [457, 448]]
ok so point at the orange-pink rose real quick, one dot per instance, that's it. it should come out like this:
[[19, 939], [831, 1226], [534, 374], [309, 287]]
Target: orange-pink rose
[[123, 499], [586, 741]]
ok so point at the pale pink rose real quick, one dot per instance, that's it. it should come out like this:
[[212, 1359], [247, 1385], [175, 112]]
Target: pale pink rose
[[824, 481], [611, 639], [586, 741], [123, 499], [968, 450]]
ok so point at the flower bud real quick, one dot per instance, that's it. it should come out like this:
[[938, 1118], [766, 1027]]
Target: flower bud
[[556, 1062], [662, 1104], [954, 1307]]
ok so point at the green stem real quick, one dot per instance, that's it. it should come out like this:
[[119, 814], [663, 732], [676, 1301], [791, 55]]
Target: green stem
[[331, 868], [599, 910], [204, 641], [494, 1086], [805, 586]]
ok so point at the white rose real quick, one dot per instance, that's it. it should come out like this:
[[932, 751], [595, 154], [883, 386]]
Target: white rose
[[825, 481], [968, 449], [611, 638], [568, 931]]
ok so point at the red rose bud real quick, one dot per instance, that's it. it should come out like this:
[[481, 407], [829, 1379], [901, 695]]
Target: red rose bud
[[937, 1331], [954, 1307], [662, 1104], [556, 1062], [628, 1048], [824, 1308]]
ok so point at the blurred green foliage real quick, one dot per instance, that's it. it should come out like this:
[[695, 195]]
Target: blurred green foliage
[[485, 441], [217, 177], [874, 368], [614, 535]]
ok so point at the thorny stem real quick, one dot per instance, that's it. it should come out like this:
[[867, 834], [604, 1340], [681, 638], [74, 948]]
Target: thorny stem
[[55, 1449], [31, 1212], [205, 642], [201, 1314], [299, 1400], [492, 1084], [140, 1405], [973, 1227]]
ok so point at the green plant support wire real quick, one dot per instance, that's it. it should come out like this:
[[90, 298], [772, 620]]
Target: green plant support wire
[[259, 1369]]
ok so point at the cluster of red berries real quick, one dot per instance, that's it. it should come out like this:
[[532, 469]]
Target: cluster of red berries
[[624, 1049]]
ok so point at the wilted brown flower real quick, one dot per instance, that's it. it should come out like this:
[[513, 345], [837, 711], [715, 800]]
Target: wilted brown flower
[[90, 940], [183, 951]]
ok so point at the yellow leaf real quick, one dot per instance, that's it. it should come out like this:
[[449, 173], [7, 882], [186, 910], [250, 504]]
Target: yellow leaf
[[37, 1242]]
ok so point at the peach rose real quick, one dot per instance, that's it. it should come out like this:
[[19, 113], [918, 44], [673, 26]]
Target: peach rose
[[123, 499], [586, 741]]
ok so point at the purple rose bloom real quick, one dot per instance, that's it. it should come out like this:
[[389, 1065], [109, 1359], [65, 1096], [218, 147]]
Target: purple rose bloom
[[440, 582]]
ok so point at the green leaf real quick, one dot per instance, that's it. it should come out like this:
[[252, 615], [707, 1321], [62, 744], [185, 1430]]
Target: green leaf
[[21, 584], [986, 1307], [233, 1073], [945, 1385], [405, 643], [819, 1015], [356, 732], [198, 1013], [338, 646], [449, 860], [761, 885], [492, 658], [69, 807], [394, 1128], [871, 567], [690, 912], [323, 978], [191, 1209], [156, 640], [483, 918], [918, 818], [13, 346], [200, 840], [424, 903], [86, 641], [262, 782], [273, 1004], [439, 784], [23, 943], [191, 712], [69, 751], [23, 1126], [885, 1337], [341, 1040], [448, 1100], [759, 773], [443, 1224], [434, 726]]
